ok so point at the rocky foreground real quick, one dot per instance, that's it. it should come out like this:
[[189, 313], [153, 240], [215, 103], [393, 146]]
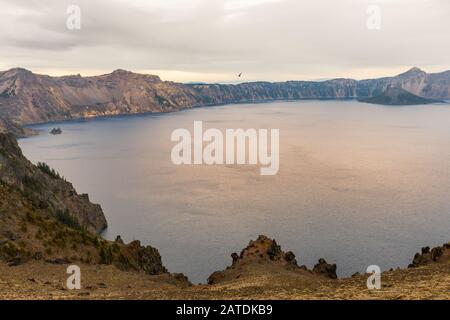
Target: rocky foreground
[[261, 271]]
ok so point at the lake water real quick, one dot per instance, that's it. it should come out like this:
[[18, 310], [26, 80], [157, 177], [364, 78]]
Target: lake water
[[358, 184]]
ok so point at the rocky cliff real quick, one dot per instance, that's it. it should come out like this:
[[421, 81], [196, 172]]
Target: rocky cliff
[[416, 81], [264, 255], [43, 218], [27, 98], [46, 189]]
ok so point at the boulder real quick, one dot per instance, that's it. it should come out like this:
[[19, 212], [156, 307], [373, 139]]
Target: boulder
[[428, 256], [325, 269]]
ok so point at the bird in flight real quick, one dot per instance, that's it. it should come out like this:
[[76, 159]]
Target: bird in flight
[[240, 74]]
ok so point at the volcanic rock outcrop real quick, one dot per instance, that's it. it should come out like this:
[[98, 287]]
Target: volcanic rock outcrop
[[265, 254], [428, 255]]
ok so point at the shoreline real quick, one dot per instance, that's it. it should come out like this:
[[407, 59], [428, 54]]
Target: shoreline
[[34, 132], [162, 113]]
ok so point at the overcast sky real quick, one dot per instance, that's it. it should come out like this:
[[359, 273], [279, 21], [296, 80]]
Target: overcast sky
[[214, 40]]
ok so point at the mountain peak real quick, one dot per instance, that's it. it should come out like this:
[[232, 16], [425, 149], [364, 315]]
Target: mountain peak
[[15, 72], [414, 71], [121, 71], [19, 70]]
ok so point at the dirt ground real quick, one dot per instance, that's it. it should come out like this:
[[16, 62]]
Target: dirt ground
[[40, 280]]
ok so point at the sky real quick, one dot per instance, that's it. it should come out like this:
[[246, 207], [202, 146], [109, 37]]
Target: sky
[[215, 40]]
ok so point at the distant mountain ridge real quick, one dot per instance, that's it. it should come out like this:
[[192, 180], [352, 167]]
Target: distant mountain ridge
[[26, 97]]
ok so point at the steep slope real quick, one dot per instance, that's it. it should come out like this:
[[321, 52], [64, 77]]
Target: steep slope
[[45, 189], [27, 98], [30, 234], [42, 218]]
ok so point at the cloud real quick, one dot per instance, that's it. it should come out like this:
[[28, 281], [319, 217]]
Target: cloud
[[215, 40]]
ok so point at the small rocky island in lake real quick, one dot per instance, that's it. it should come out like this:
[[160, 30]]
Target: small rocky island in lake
[[396, 96], [55, 131]]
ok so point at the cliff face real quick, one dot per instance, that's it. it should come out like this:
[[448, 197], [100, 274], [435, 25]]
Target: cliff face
[[416, 81], [27, 98], [29, 232], [45, 189], [262, 91]]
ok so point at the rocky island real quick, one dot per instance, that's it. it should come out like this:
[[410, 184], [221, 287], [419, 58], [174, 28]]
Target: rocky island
[[396, 96], [56, 131]]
